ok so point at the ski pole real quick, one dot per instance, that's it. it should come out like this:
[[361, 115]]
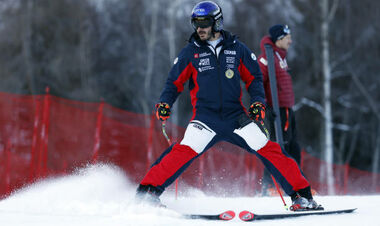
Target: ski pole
[[165, 134], [170, 143], [279, 192], [277, 119]]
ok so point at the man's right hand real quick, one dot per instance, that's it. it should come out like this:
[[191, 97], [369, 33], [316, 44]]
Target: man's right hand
[[162, 111]]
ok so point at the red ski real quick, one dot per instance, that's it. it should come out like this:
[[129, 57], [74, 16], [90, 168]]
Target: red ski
[[225, 216]]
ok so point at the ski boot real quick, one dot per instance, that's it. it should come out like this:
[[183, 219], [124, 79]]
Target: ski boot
[[149, 194], [302, 200], [304, 204]]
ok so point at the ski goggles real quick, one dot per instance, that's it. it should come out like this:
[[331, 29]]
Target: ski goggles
[[202, 22]]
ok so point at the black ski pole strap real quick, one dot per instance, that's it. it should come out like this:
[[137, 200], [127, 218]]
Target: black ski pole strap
[[273, 89]]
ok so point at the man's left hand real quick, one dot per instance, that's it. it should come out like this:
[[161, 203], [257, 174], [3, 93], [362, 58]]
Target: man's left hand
[[257, 111]]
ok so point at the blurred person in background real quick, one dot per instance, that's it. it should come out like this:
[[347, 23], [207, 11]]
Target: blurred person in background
[[279, 39]]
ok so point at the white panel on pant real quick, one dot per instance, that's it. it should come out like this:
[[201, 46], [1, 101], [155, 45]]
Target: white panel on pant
[[253, 135], [197, 136]]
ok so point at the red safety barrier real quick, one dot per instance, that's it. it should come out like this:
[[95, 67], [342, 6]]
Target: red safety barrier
[[98, 127], [44, 136]]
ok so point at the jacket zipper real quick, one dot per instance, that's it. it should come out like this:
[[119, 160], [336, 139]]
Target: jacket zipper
[[219, 77], [220, 111]]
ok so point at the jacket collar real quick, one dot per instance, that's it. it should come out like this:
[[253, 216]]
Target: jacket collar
[[228, 39], [267, 40]]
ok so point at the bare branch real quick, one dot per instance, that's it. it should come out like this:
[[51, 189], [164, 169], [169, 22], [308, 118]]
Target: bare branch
[[343, 58], [363, 38], [365, 93], [333, 11], [310, 103], [343, 127]]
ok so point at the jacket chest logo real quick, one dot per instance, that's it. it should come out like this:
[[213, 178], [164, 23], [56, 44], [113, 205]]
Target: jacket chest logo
[[200, 55], [204, 65], [230, 52], [283, 63], [230, 62], [204, 62]]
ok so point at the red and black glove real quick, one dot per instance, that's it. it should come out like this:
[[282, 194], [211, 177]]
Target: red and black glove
[[257, 111], [162, 111]]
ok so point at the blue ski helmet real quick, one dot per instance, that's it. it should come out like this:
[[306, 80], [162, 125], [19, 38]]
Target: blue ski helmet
[[205, 14]]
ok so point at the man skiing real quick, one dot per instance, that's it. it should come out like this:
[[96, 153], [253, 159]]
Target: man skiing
[[214, 61]]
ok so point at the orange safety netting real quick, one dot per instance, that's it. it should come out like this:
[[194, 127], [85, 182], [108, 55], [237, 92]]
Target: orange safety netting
[[44, 135]]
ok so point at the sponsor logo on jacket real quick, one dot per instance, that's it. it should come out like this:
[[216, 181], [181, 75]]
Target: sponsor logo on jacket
[[204, 65], [204, 54], [200, 55], [204, 62], [230, 52]]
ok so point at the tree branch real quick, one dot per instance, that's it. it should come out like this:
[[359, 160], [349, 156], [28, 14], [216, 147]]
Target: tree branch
[[310, 103], [365, 93], [333, 11], [363, 38]]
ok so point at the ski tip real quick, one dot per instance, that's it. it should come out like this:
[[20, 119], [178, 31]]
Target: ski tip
[[246, 216], [227, 215]]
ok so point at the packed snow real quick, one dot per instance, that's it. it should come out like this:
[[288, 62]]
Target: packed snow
[[102, 195]]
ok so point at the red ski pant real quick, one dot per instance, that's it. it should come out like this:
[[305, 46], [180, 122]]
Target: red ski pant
[[199, 137]]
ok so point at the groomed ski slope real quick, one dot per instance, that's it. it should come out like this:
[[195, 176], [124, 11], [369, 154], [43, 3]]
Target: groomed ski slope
[[101, 195]]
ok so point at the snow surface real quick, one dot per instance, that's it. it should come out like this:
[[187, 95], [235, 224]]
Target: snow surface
[[102, 195]]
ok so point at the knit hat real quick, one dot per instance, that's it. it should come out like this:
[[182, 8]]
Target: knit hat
[[278, 31]]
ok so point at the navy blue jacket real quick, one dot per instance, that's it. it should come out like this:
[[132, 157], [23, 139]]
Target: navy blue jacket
[[214, 82]]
